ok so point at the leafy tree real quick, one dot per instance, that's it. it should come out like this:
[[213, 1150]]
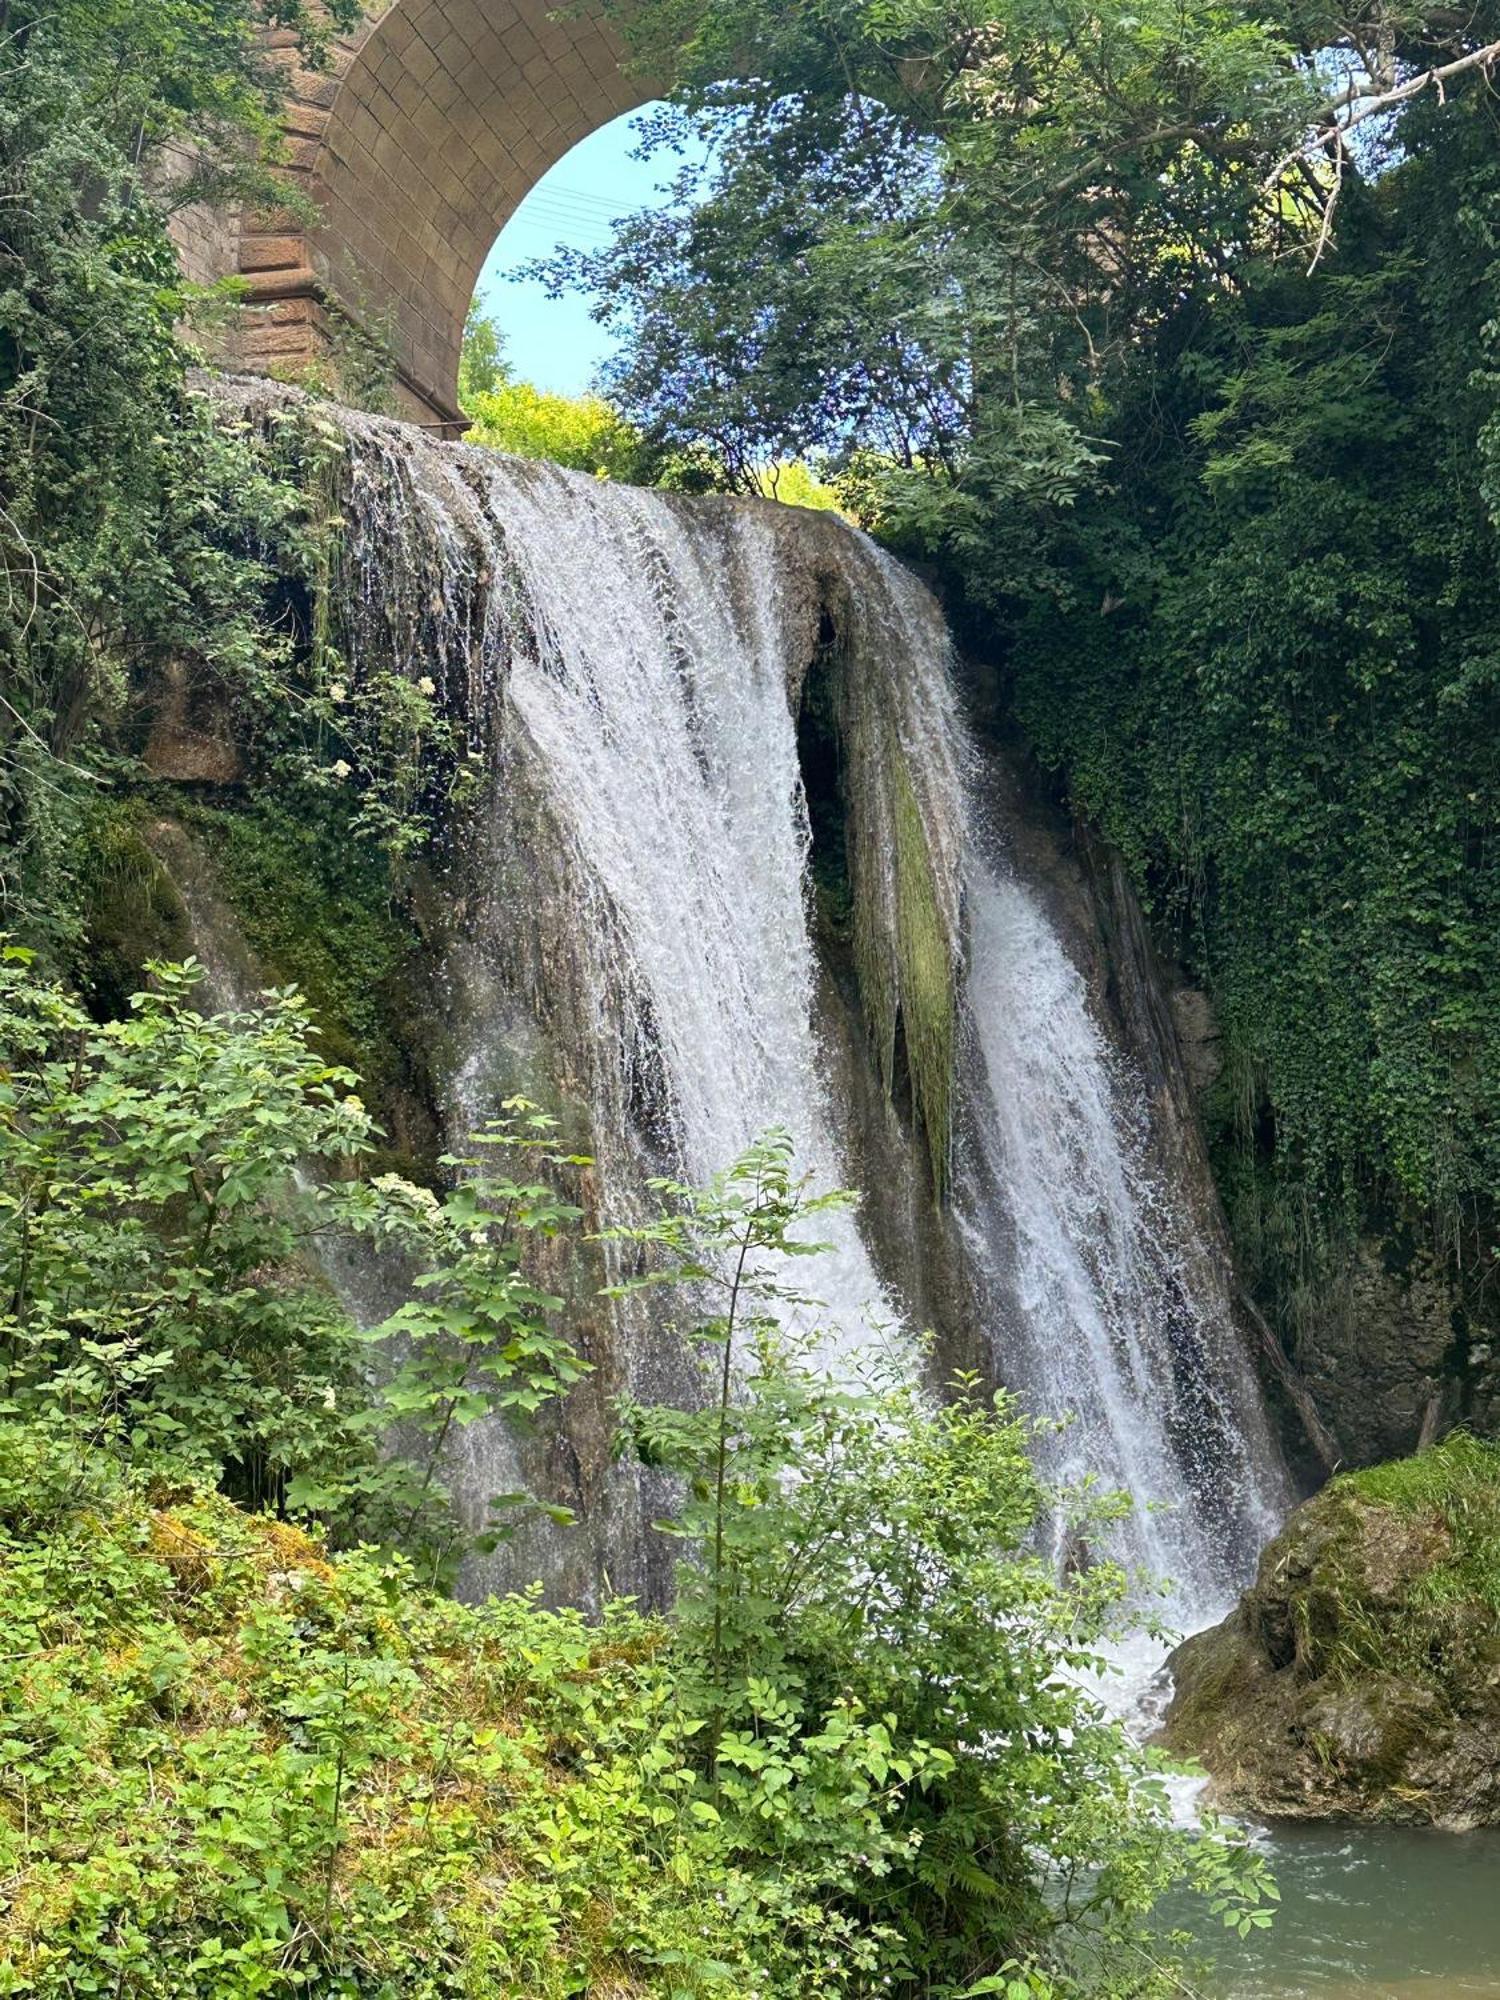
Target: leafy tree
[[482, 366], [135, 528], [168, 1185], [588, 434], [153, 1183], [581, 432], [883, 1683], [935, 230], [941, 231]]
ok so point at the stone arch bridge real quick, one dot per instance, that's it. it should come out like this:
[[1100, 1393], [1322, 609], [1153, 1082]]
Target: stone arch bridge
[[432, 123]]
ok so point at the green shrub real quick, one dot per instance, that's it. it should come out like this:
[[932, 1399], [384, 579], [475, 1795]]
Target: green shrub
[[166, 1181], [884, 1678], [232, 1767], [581, 432]]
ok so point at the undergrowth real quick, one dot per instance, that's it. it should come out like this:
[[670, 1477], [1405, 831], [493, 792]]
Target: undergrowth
[[233, 1766], [860, 1759]]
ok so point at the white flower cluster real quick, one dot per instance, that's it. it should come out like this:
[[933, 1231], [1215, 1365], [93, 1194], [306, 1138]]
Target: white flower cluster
[[404, 1190]]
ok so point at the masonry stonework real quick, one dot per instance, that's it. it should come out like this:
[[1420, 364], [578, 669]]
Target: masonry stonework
[[430, 126]]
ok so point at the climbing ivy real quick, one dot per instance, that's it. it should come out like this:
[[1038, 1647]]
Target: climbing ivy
[[1271, 675]]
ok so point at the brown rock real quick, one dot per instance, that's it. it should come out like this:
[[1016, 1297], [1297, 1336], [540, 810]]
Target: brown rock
[[191, 741], [1360, 1677]]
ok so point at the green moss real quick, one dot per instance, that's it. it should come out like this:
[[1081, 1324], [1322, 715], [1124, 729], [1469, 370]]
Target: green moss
[[316, 908], [129, 910], [876, 889], [1456, 1483], [925, 954]]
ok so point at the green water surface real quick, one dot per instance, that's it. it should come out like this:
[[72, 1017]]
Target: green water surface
[[1384, 1914]]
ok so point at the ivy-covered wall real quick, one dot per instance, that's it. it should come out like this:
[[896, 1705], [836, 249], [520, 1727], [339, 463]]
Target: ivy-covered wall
[[1270, 676]]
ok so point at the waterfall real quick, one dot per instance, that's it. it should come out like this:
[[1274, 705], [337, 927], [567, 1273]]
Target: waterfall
[[657, 699], [1097, 1305], [632, 667]]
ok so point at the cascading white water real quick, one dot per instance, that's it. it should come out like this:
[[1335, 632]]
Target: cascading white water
[[657, 697], [1099, 1308], [643, 657]]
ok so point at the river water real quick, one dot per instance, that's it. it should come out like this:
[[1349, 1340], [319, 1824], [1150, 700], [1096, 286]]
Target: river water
[[1382, 1913], [1387, 1913]]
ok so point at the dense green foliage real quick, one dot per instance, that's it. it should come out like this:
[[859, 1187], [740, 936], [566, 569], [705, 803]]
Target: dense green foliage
[[1066, 305], [150, 552], [861, 1758], [581, 432], [114, 482], [233, 1767], [931, 230], [170, 1181], [150, 1169], [1271, 678]]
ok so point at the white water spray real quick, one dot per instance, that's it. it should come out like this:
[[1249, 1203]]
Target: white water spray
[[1096, 1298], [657, 698]]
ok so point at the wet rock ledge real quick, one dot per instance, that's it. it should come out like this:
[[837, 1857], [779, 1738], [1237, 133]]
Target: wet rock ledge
[[1359, 1679]]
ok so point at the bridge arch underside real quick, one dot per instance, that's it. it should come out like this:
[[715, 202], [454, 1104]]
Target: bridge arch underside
[[430, 128]]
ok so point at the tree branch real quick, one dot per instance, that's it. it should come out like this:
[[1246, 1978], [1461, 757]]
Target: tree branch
[[1332, 127]]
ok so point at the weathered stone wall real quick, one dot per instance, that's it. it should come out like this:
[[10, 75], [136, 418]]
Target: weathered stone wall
[[416, 146]]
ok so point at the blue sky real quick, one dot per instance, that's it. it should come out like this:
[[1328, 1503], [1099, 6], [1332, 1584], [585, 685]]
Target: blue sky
[[554, 343]]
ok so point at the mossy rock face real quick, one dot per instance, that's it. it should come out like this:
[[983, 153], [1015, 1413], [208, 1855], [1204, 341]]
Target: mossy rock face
[[129, 908], [1360, 1677], [308, 903]]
